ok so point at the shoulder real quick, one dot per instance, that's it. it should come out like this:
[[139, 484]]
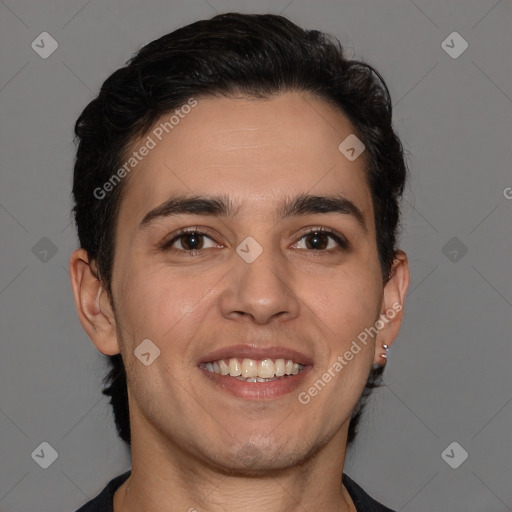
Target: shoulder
[[103, 502], [362, 501]]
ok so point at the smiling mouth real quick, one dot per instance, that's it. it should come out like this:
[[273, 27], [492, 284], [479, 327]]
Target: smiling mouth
[[254, 370]]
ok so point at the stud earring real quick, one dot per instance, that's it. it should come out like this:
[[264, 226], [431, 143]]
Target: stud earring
[[376, 366]]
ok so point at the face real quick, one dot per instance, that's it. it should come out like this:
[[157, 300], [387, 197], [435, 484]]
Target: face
[[251, 284]]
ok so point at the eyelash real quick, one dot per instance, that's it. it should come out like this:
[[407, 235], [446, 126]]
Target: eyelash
[[166, 245]]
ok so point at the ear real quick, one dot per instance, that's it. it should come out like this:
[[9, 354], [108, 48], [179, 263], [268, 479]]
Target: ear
[[392, 305], [92, 303]]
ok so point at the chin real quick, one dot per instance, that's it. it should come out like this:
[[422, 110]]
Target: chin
[[259, 455]]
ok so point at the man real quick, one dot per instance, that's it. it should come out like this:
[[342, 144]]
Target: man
[[236, 189]]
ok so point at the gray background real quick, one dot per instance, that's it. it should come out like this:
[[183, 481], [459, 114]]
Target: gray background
[[448, 377]]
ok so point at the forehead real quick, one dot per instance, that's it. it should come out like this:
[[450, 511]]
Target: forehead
[[255, 150]]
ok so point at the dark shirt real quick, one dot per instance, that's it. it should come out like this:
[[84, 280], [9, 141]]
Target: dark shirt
[[104, 502]]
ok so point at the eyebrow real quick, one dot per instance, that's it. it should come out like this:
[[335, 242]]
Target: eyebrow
[[222, 206]]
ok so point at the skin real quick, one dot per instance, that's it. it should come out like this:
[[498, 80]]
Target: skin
[[193, 445]]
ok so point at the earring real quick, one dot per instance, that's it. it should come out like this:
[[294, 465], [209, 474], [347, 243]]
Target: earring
[[376, 366]]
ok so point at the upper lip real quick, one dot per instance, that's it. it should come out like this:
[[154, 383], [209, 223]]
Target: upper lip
[[257, 352]]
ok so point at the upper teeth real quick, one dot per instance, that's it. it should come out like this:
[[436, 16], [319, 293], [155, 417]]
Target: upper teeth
[[266, 368]]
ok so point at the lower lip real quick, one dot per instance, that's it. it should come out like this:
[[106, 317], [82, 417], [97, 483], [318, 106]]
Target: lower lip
[[257, 390]]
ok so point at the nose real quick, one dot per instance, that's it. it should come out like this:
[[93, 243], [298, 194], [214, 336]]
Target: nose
[[261, 290]]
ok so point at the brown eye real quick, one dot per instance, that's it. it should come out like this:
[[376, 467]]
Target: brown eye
[[323, 240], [317, 241], [191, 242]]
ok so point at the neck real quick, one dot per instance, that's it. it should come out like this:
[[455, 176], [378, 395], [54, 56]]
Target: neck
[[144, 491], [166, 477]]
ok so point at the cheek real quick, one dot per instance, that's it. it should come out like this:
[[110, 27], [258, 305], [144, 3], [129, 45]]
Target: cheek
[[347, 301], [162, 305]]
